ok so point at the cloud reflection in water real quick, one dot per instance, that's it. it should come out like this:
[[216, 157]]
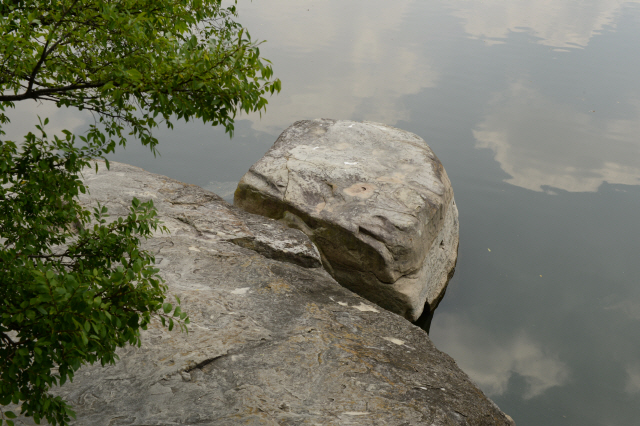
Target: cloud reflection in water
[[633, 379], [492, 360], [542, 143], [339, 60], [561, 24]]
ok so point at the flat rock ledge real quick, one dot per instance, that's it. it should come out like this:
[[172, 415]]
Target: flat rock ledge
[[374, 199], [273, 340]]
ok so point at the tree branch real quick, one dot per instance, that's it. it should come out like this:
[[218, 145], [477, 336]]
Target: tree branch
[[36, 94], [46, 51]]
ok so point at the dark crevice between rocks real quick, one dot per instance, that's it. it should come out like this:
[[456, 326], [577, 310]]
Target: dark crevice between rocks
[[424, 321], [286, 190], [186, 221], [202, 364]]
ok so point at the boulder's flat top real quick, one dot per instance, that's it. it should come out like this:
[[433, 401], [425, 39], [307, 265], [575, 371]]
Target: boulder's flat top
[[273, 340]]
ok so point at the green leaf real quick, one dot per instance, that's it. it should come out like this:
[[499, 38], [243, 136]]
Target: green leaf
[[134, 74]]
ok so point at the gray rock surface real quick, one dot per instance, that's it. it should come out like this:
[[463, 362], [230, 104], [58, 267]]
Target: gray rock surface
[[271, 341], [374, 199]]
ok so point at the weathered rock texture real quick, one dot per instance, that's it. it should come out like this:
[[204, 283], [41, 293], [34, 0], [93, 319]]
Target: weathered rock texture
[[271, 342], [375, 200]]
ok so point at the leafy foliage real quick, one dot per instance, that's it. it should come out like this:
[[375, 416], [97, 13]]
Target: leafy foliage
[[71, 293], [185, 58], [75, 284]]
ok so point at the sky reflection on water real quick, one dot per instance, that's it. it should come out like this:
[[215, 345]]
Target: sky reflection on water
[[534, 109], [542, 143], [559, 24], [495, 359]]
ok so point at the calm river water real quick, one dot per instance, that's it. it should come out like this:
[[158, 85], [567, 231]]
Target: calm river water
[[534, 110]]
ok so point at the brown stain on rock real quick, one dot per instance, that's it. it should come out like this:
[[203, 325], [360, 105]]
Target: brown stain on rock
[[277, 286], [362, 190], [395, 178]]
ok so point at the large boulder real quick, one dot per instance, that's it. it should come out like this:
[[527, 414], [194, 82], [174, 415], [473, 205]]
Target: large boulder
[[273, 339], [374, 199]]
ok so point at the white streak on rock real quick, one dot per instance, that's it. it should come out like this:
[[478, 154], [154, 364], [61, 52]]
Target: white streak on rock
[[394, 340], [363, 308]]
